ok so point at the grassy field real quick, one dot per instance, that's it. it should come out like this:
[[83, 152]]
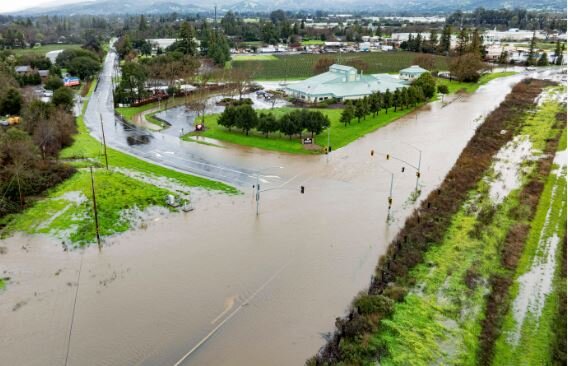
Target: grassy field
[[439, 321], [42, 50], [301, 66], [455, 86], [340, 135], [254, 58], [67, 213], [313, 42], [531, 341]]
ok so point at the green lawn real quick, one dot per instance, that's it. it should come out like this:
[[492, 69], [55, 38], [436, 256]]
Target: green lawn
[[313, 42], [254, 58], [456, 86], [340, 135], [42, 50], [68, 214], [301, 66]]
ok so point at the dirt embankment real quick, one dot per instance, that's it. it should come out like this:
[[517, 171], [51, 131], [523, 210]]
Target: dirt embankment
[[426, 226]]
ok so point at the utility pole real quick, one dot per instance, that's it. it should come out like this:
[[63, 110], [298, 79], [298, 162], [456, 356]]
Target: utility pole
[[104, 141], [418, 170], [328, 145], [258, 185], [95, 209], [390, 198]]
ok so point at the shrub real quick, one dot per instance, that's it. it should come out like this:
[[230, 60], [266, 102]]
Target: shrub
[[372, 304]]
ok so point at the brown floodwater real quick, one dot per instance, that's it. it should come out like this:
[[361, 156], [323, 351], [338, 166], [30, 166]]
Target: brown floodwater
[[219, 284]]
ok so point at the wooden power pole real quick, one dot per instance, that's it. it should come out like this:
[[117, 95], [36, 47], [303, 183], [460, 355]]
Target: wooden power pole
[[95, 209], [104, 141]]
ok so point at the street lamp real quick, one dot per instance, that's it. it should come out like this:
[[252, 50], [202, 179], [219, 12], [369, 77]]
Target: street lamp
[[389, 199], [258, 183]]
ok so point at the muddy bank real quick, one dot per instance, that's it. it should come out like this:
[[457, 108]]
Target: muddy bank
[[426, 226]]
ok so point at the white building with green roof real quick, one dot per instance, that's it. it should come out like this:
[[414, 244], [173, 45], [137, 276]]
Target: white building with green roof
[[343, 82], [412, 73]]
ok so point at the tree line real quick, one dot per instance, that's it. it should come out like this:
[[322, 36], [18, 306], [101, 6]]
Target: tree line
[[422, 89], [293, 123], [29, 150]]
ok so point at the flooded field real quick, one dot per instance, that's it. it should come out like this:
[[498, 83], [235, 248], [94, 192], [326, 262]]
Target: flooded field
[[220, 285]]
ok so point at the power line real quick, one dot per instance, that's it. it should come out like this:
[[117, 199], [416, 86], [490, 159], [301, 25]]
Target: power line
[[73, 312]]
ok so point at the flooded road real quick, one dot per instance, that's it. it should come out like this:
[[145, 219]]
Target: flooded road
[[221, 286]]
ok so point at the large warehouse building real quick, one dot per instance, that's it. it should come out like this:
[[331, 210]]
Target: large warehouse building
[[344, 82]]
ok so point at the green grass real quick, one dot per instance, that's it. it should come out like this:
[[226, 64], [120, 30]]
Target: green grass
[[313, 42], [455, 86], [439, 322], [536, 335], [301, 66], [128, 113], [340, 135], [42, 50], [254, 58], [117, 195]]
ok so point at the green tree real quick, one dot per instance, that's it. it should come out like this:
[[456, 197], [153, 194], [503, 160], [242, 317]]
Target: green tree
[[246, 118], [267, 123], [375, 103], [476, 45], [63, 97], [53, 83], [11, 103], [387, 100], [186, 44], [315, 122], [543, 59], [463, 42], [84, 67], [347, 114], [427, 83], [503, 57], [443, 89], [445, 39], [290, 124], [532, 59], [467, 67], [228, 118], [360, 110]]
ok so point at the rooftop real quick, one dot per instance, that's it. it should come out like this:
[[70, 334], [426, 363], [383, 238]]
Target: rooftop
[[414, 69]]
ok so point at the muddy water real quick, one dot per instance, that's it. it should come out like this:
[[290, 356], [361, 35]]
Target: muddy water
[[260, 290]]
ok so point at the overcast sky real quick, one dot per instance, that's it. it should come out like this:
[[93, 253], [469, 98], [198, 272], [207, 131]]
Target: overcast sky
[[12, 5]]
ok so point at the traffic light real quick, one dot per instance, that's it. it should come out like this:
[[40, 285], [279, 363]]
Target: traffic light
[[402, 169], [372, 152], [329, 148], [302, 189], [388, 156], [418, 174], [390, 201]]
